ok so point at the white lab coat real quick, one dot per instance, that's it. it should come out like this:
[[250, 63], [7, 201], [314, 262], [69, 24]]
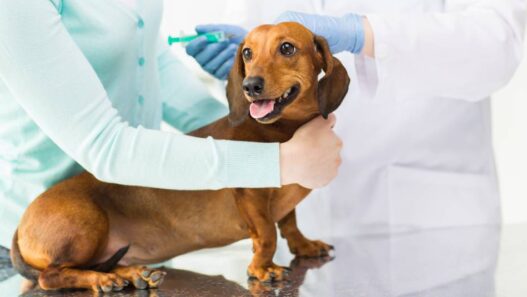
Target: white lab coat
[[416, 123]]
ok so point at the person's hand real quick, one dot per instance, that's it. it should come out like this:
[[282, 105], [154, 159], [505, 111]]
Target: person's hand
[[216, 58], [343, 34], [311, 158]]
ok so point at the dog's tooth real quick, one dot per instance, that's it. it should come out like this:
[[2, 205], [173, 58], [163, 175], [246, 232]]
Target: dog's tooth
[[287, 93]]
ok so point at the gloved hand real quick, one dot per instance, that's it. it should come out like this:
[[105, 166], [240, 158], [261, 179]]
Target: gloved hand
[[216, 58], [343, 34]]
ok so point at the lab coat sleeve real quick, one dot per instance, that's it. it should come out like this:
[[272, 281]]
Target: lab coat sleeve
[[187, 105], [467, 52], [55, 84]]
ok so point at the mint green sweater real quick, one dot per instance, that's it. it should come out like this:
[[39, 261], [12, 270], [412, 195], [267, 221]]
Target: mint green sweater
[[88, 83]]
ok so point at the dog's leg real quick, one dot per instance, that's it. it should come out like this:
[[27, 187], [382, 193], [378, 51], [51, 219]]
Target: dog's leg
[[298, 244], [140, 276], [57, 278], [255, 211]]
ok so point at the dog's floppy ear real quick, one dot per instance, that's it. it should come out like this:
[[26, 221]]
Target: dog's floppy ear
[[332, 88], [238, 104]]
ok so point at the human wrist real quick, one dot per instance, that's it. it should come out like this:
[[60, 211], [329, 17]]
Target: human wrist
[[353, 25], [369, 41], [286, 176]]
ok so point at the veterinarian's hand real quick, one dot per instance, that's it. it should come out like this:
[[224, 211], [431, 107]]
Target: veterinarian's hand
[[312, 157], [342, 34], [216, 58]]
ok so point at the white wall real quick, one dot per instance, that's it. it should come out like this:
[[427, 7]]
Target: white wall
[[509, 108]]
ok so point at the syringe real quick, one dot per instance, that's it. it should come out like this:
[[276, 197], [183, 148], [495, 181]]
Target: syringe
[[212, 37]]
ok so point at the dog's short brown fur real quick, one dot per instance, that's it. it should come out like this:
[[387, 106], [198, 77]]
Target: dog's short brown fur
[[81, 221]]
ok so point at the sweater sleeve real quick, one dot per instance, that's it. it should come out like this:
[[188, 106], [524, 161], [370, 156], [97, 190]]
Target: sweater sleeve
[[55, 84]]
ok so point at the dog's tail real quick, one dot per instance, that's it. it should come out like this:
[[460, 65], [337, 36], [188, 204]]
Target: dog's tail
[[19, 264], [111, 263], [32, 274]]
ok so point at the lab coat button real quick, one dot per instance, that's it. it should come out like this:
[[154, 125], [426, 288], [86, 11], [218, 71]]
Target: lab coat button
[[141, 100], [141, 61], [140, 24]]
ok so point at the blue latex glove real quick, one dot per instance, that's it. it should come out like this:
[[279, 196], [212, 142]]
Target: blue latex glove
[[343, 34], [216, 58]]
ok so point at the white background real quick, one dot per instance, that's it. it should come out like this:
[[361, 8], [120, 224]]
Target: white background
[[509, 108]]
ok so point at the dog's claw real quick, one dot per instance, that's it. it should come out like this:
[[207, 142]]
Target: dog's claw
[[116, 286], [139, 283], [106, 289], [146, 273], [156, 276]]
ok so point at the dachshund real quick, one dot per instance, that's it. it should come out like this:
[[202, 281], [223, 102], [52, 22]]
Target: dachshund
[[84, 233]]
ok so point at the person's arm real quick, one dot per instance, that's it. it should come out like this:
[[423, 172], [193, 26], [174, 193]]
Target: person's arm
[[55, 84], [52, 80], [369, 41], [187, 105], [466, 52]]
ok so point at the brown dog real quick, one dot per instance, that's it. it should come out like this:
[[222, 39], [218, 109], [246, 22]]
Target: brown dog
[[75, 234]]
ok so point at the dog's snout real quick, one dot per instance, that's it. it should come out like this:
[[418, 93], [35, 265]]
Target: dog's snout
[[253, 85]]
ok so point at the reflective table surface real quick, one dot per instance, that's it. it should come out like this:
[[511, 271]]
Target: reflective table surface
[[464, 262]]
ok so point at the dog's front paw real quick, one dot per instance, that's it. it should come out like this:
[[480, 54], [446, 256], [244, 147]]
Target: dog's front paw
[[268, 273], [309, 248]]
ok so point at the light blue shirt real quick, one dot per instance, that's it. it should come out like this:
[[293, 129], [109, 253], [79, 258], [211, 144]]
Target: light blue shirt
[[87, 83]]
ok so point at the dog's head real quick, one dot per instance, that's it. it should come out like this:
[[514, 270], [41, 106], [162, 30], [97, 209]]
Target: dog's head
[[275, 75]]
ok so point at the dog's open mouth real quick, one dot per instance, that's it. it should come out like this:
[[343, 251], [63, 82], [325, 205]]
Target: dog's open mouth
[[266, 109]]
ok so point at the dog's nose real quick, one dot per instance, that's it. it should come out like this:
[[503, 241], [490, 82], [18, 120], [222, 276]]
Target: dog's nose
[[253, 85]]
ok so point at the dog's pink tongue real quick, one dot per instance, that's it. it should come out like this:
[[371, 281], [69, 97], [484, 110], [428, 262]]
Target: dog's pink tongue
[[261, 108]]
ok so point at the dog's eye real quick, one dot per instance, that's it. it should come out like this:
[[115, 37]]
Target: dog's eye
[[247, 53], [287, 49]]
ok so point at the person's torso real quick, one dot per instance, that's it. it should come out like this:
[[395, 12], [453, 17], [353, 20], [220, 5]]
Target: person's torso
[[120, 42]]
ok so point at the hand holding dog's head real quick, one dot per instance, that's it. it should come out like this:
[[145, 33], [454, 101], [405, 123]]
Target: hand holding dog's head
[[275, 75]]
